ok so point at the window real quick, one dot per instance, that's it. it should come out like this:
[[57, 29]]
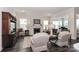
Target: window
[[77, 25], [66, 23], [60, 23], [57, 24], [45, 24], [23, 24]]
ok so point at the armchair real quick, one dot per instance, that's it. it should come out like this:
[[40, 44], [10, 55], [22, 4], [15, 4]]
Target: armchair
[[39, 42], [62, 41], [63, 38]]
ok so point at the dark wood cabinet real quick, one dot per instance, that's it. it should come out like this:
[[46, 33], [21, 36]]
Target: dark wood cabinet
[[8, 30]]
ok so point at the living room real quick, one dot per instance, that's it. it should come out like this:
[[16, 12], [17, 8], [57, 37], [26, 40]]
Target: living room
[[33, 22]]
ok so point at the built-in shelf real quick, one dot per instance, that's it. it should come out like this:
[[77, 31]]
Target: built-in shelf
[[8, 30]]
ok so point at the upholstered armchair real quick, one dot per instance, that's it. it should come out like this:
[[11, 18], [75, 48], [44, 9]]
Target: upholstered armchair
[[63, 38], [39, 42]]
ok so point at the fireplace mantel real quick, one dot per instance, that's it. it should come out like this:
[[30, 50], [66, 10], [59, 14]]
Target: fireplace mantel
[[36, 26]]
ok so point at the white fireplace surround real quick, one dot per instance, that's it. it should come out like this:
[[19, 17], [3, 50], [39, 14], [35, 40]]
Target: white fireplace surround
[[36, 26]]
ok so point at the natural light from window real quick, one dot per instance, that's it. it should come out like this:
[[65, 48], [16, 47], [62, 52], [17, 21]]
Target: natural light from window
[[23, 24], [57, 24], [60, 23], [77, 25], [45, 22]]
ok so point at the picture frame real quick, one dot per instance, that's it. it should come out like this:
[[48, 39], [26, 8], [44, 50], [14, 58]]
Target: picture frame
[[36, 21]]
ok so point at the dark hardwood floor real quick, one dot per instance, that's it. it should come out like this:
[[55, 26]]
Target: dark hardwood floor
[[18, 47]]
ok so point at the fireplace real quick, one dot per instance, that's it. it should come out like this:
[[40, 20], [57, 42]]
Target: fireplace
[[36, 30]]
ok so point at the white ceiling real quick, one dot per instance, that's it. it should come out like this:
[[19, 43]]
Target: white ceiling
[[43, 11]]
